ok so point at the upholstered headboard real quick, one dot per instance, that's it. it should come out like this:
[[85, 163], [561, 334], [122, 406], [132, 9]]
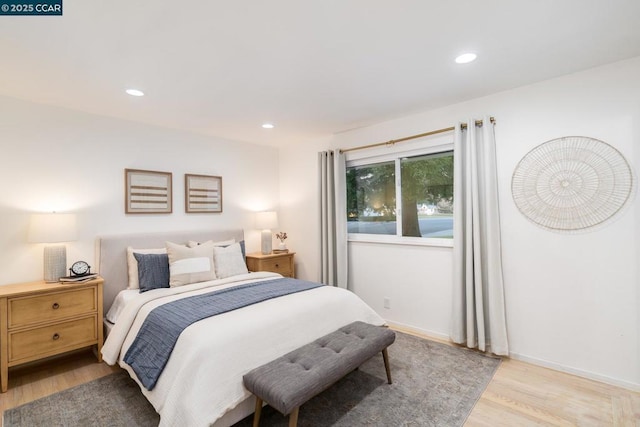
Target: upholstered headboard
[[111, 253]]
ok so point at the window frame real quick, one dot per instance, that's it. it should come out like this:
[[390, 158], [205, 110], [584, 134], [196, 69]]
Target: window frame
[[356, 159]]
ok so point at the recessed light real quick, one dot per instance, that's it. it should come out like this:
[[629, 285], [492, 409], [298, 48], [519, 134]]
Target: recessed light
[[135, 92], [268, 126], [466, 57]]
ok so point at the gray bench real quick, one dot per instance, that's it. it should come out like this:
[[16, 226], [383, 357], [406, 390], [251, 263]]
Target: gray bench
[[293, 379]]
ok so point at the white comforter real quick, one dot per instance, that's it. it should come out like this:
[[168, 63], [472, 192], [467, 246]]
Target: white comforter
[[203, 377]]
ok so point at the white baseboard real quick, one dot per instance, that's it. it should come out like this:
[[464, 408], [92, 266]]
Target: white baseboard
[[528, 359], [574, 371], [417, 331]]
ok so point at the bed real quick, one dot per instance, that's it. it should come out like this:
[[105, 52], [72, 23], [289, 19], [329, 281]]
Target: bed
[[201, 384]]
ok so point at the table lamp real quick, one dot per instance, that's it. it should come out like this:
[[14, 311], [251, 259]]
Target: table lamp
[[265, 221], [53, 228]]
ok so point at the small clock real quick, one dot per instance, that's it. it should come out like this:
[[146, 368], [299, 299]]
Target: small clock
[[80, 268]]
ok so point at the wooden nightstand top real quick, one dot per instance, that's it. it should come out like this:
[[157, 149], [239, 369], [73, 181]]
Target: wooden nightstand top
[[42, 286], [260, 255]]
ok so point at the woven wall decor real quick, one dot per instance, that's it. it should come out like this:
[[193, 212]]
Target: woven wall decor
[[571, 183]]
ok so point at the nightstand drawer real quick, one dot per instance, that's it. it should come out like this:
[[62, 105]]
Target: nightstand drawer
[[52, 339], [35, 309], [277, 265], [281, 263]]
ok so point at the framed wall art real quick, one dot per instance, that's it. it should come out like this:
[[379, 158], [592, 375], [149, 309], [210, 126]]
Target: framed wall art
[[148, 192], [203, 193]]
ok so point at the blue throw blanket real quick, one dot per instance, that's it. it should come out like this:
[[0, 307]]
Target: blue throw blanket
[[150, 351]]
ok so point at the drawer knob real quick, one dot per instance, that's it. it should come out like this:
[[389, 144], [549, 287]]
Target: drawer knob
[[55, 336], [55, 306], [277, 265]]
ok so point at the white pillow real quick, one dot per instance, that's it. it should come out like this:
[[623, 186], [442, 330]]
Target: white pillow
[[229, 261], [132, 263], [190, 265], [193, 244]]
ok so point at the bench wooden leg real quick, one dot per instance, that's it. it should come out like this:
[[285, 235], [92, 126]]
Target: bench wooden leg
[[385, 356], [256, 415], [293, 417]]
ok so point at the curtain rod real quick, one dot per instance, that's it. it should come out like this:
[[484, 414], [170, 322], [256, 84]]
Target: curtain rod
[[420, 135]]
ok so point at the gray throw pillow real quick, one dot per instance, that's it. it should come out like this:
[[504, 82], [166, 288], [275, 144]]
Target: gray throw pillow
[[153, 271]]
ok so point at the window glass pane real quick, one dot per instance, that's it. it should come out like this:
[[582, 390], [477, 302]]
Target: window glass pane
[[371, 199], [427, 195]]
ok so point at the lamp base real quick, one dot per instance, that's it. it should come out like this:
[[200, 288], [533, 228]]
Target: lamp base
[[266, 242], [55, 262]]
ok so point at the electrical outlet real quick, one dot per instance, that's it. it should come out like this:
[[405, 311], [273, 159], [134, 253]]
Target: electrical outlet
[[387, 302]]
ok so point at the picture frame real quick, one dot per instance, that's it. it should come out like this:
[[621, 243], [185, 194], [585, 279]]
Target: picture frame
[[202, 193], [148, 192]]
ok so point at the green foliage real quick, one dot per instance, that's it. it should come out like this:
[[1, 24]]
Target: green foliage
[[371, 187], [425, 180]]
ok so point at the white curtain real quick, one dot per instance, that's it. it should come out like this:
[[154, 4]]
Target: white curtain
[[478, 294], [333, 221]]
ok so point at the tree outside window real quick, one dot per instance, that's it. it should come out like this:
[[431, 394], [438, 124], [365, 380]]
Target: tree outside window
[[426, 197]]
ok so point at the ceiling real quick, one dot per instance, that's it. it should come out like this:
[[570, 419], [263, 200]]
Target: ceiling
[[222, 68]]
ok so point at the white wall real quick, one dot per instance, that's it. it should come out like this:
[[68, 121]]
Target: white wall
[[57, 159], [573, 300]]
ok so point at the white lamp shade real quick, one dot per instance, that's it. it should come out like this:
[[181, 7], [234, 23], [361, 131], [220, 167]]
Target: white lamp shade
[[266, 220], [52, 228]]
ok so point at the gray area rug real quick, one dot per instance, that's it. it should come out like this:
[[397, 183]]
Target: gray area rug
[[433, 385], [114, 400]]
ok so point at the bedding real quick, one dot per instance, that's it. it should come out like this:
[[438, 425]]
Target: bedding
[[119, 304], [132, 263], [223, 244], [229, 260], [190, 265], [150, 351], [193, 244], [202, 379], [153, 271]]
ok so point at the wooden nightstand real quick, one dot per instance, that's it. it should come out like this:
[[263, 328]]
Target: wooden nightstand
[[39, 319], [277, 263]]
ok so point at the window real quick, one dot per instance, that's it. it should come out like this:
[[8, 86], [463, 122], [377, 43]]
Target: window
[[409, 196], [371, 198]]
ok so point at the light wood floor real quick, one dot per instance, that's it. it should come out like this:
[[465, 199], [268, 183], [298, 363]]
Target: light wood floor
[[520, 394]]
